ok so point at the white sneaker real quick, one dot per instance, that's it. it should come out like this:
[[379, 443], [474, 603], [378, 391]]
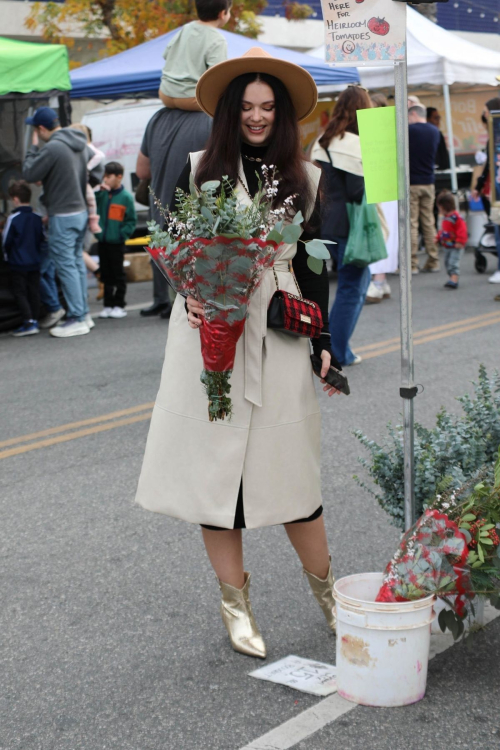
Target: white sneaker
[[374, 294], [106, 313], [118, 312], [70, 328], [89, 321], [357, 360], [52, 318], [495, 279], [386, 289]]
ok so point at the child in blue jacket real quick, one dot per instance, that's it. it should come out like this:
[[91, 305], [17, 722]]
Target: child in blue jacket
[[22, 240]]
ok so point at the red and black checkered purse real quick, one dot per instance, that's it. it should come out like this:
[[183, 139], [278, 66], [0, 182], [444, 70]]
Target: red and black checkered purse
[[293, 314]]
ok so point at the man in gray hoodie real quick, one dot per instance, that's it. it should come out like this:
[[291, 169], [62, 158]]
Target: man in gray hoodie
[[61, 166]]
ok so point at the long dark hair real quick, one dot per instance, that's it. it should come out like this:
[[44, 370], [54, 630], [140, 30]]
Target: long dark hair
[[344, 118], [222, 155]]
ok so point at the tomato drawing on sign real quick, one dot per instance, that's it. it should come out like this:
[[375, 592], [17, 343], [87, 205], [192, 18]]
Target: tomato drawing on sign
[[378, 26]]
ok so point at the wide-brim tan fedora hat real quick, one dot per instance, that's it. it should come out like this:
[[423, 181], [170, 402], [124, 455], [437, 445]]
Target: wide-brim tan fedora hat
[[298, 82]]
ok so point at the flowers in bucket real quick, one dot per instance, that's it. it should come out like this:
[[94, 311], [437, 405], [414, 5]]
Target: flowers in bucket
[[453, 551], [216, 248]]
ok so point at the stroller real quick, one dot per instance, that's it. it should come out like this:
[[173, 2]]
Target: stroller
[[487, 244]]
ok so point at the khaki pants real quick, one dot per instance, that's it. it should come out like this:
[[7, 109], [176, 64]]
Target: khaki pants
[[422, 209], [172, 102]]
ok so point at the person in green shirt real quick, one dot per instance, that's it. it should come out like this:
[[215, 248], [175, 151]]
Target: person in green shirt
[[196, 47], [117, 217]]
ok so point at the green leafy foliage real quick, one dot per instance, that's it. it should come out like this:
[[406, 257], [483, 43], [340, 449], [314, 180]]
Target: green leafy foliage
[[447, 455], [215, 210]]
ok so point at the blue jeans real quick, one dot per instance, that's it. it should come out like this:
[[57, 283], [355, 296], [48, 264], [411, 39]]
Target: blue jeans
[[497, 238], [48, 286], [452, 258], [353, 283], [66, 234]]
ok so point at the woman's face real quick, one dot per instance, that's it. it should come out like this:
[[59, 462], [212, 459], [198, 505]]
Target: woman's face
[[257, 113]]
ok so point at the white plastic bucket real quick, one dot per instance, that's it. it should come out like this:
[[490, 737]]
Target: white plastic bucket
[[382, 648]]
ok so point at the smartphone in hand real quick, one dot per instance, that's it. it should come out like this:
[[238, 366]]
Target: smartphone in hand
[[333, 377]]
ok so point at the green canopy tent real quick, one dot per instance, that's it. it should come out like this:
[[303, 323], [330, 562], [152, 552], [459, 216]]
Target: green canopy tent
[[32, 69], [30, 74]]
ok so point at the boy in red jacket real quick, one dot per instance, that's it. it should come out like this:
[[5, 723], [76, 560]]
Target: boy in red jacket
[[452, 236]]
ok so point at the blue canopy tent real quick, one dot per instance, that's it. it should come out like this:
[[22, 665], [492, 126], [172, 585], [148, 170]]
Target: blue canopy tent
[[137, 71]]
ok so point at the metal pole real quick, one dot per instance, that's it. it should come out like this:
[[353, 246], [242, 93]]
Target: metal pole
[[451, 140], [408, 390]]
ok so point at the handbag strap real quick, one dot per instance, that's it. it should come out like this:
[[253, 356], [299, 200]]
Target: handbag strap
[[290, 267]]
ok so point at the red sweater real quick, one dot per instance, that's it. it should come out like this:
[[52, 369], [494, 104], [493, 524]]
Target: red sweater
[[453, 230]]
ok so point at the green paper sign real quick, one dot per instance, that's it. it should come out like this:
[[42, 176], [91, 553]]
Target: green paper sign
[[377, 133]]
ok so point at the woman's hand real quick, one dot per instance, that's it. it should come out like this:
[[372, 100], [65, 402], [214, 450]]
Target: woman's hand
[[326, 359], [195, 312]]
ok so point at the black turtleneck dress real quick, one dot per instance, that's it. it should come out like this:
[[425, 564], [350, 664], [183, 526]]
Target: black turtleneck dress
[[313, 286]]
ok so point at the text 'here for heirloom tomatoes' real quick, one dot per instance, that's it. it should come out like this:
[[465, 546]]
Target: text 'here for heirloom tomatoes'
[[378, 26]]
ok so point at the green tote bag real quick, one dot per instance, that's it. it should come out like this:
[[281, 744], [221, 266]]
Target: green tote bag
[[366, 242]]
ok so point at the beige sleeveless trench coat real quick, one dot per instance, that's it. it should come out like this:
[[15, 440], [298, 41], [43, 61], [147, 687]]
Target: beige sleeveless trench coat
[[192, 467]]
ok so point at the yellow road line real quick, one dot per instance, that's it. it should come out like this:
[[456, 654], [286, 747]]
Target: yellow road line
[[435, 337], [369, 352], [427, 331], [73, 436], [74, 425]]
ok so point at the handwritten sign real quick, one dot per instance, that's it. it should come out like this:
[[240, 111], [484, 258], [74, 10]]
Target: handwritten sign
[[364, 32], [377, 135], [306, 675]]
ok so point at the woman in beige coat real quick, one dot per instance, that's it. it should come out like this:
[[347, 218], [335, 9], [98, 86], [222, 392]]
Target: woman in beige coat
[[262, 467]]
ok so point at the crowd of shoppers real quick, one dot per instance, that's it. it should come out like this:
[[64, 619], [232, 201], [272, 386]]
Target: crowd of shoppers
[[77, 200]]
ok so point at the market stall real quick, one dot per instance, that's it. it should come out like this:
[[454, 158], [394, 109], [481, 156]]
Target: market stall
[[30, 75]]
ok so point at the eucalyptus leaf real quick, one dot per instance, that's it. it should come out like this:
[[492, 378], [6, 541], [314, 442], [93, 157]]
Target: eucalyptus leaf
[[210, 185], [298, 218], [214, 251], [317, 249], [314, 264], [291, 233], [275, 236], [204, 211]]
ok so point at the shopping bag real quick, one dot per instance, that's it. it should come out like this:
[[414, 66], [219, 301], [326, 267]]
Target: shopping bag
[[366, 242]]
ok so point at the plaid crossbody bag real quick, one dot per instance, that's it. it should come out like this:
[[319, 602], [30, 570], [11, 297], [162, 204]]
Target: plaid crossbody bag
[[292, 314]]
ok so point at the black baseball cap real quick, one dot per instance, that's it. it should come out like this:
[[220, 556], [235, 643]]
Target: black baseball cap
[[44, 116]]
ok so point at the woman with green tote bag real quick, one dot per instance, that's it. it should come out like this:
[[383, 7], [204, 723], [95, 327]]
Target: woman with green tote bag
[[338, 153]]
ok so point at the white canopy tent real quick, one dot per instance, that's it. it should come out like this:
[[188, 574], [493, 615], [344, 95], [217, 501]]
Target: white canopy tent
[[436, 57]]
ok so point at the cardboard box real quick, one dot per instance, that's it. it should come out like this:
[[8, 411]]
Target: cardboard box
[[139, 268]]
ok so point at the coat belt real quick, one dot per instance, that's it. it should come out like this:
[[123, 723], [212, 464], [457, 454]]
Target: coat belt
[[255, 333]]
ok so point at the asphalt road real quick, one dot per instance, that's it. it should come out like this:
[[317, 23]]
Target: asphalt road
[[110, 636]]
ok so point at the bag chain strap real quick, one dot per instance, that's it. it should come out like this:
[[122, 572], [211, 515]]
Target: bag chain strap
[[294, 278]]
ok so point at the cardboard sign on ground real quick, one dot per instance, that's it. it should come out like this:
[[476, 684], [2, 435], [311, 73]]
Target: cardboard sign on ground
[[306, 675]]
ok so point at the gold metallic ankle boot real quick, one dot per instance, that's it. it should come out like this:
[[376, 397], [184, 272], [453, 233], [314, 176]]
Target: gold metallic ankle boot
[[323, 591], [238, 618]]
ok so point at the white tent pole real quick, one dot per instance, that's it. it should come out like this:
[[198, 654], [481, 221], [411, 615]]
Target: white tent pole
[[407, 390], [451, 140]]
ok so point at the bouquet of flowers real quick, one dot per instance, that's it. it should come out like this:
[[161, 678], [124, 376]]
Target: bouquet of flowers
[[216, 248], [453, 551]]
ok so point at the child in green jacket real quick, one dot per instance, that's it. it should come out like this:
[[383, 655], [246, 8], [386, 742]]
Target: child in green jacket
[[117, 217]]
